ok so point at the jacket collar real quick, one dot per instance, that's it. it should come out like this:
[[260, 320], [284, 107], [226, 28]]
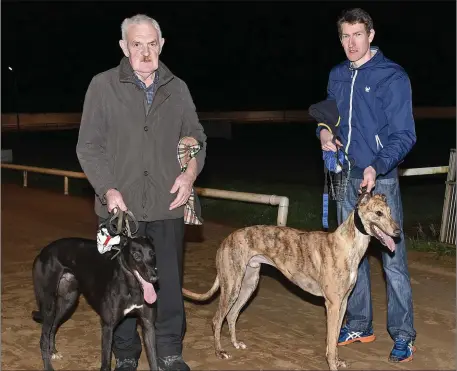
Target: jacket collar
[[374, 60], [126, 73]]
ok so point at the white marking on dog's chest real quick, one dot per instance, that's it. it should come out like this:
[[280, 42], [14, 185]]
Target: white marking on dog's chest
[[132, 307]]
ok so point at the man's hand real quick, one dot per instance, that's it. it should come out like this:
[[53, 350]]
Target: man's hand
[[183, 184], [369, 178], [114, 200], [326, 141]]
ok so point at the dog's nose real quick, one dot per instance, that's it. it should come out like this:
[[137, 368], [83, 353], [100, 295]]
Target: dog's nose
[[397, 232]]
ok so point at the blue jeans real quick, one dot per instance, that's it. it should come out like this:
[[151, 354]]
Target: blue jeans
[[359, 313]]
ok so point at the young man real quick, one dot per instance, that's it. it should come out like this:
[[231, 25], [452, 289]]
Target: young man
[[133, 118], [377, 130]]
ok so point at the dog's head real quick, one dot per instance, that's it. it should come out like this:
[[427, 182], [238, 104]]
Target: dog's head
[[140, 258], [376, 218]]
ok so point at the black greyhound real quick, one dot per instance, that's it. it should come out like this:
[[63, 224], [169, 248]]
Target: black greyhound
[[113, 285]]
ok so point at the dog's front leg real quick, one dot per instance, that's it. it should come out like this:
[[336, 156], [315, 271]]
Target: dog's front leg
[[333, 321], [107, 343], [149, 336]]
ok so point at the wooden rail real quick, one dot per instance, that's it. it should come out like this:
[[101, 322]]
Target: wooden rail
[[62, 121]]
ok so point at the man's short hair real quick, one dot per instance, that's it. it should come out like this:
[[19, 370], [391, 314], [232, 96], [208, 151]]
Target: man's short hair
[[353, 16], [138, 19]]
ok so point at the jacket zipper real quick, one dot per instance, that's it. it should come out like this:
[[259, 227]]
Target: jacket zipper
[[350, 115], [378, 142]]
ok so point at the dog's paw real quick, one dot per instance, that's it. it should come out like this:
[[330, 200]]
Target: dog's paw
[[223, 355], [239, 345], [56, 356], [336, 364], [341, 363]]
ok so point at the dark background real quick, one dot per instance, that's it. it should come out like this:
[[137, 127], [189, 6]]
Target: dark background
[[233, 55]]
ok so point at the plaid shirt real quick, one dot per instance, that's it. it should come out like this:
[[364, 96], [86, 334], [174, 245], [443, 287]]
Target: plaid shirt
[[151, 89], [188, 148]]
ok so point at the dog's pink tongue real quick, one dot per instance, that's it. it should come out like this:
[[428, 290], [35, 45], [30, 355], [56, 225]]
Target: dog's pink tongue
[[149, 293], [388, 241]]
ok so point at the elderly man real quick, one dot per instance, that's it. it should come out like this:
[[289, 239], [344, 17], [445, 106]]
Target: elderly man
[[377, 131], [133, 118]]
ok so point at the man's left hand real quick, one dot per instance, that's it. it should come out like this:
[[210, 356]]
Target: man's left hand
[[183, 184], [369, 178]]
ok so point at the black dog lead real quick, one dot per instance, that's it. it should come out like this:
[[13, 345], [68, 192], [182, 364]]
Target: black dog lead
[[115, 224]]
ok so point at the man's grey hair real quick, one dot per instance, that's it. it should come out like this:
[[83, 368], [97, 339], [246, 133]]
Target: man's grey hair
[[139, 19]]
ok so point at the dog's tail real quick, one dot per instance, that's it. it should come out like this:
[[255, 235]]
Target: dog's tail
[[37, 316], [206, 295]]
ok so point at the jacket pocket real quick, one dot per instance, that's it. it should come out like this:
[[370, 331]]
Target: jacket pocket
[[378, 142]]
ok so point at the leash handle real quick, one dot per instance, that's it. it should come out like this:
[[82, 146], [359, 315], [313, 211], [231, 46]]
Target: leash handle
[[116, 228], [113, 227], [351, 161], [363, 189], [135, 222]]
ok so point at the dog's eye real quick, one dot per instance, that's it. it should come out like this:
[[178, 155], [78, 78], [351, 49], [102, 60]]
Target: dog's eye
[[379, 213], [137, 256]]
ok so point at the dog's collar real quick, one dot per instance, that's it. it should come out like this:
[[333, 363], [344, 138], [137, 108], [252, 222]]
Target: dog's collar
[[358, 222]]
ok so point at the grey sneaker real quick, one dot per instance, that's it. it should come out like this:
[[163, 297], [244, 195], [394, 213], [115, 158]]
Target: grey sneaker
[[172, 363]]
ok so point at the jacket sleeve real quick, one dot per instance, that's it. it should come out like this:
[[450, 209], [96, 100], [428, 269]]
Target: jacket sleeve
[[397, 104], [192, 127], [91, 146], [330, 96]]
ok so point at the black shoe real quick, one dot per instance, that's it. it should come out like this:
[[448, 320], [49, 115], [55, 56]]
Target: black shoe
[[127, 364], [172, 363]]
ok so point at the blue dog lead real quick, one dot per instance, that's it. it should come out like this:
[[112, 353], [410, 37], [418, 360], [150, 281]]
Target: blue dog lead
[[333, 162], [327, 115]]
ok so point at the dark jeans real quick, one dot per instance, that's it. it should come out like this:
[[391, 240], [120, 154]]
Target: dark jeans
[[168, 239], [359, 312]]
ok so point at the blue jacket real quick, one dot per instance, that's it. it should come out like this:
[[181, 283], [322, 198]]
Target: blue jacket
[[376, 118]]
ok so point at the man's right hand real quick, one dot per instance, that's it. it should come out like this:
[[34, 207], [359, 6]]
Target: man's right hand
[[114, 200], [326, 141]]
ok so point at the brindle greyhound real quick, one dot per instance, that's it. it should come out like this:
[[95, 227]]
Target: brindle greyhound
[[321, 263]]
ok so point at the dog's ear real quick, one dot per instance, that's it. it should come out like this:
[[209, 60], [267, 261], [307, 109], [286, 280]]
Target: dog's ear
[[383, 197], [364, 197]]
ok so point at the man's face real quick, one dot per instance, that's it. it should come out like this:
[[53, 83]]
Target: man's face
[[142, 47], [356, 42]]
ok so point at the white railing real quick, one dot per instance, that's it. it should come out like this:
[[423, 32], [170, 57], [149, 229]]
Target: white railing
[[448, 219], [423, 171], [281, 201], [65, 173]]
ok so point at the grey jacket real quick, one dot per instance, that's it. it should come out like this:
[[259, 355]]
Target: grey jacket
[[122, 145]]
